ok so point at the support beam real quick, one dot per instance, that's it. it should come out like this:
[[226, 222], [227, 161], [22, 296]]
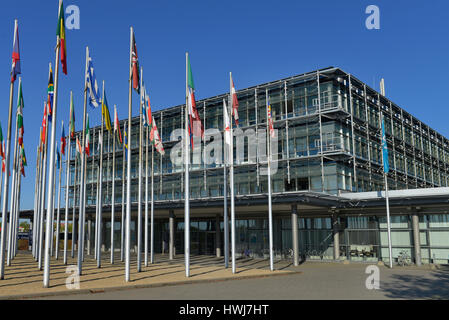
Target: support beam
[[295, 235], [218, 236], [171, 245], [416, 239], [336, 234]]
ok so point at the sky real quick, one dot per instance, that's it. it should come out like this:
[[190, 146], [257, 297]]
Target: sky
[[259, 41]]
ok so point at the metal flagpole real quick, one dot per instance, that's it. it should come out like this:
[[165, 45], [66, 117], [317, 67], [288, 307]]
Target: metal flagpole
[[83, 165], [50, 198], [225, 194], [386, 170], [113, 190], [67, 168], [100, 192], [36, 227], [152, 205], [187, 188], [146, 197], [231, 182], [16, 210], [43, 193], [16, 230], [128, 186], [13, 189], [84, 210], [35, 197], [74, 207], [270, 214], [139, 200], [100, 142], [122, 221], [53, 212], [6, 184], [58, 212]]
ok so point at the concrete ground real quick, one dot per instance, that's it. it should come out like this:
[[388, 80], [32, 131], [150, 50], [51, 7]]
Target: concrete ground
[[23, 279], [324, 281]]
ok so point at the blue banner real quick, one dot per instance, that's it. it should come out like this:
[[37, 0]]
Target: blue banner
[[385, 149]]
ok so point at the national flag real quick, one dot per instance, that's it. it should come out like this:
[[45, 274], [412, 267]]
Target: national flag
[[2, 149], [15, 70], [60, 32], [126, 142], [156, 139], [20, 105], [235, 104], [58, 158], [87, 147], [270, 120], [135, 66], [79, 149], [63, 141], [51, 92], [72, 119], [227, 125], [105, 113], [3, 165], [23, 161], [195, 125], [385, 148], [143, 102], [92, 85], [149, 115], [44, 125], [117, 126]]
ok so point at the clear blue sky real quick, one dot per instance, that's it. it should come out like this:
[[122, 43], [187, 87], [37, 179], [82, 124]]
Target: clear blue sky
[[258, 41]]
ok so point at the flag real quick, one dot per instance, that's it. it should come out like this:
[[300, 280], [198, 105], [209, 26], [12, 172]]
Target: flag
[[60, 32], [79, 149], [23, 160], [143, 102], [2, 149], [58, 158], [195, 124], [235, 104], [20, 106], [227, 125], [156, 139], [135, 67], [44, 125], [87, 137], [15, 70], [51, 92], [148, 113], [270, 120], [126, 142], [105, 113], [92, 85], [117, 126], [63, 141], [72, 119], [385, 149]]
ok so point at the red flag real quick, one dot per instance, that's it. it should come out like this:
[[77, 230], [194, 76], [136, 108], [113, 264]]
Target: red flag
[[235, 104], [44, 125], [135, 67]]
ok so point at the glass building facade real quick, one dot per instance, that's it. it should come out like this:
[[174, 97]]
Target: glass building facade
[[328, 141]]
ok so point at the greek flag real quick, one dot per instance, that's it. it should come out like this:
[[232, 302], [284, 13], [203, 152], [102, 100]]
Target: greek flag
[[92, 86], [384, 148]]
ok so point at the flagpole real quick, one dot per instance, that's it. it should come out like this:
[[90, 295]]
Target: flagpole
[[270, 214], [225, 194], [128, 186], [139, 201], [122, 221], [74, 207], [231, 179], [35, 196], [12, 221], [100, 194], [6, 184], [83, 165], [41, 198], [17, 225], [67, 168], [97, 196], [113, 189], [187, 188], [53, 213], [146, 197], [152, 204], [13, 187], [58, 212], [50, 199]]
